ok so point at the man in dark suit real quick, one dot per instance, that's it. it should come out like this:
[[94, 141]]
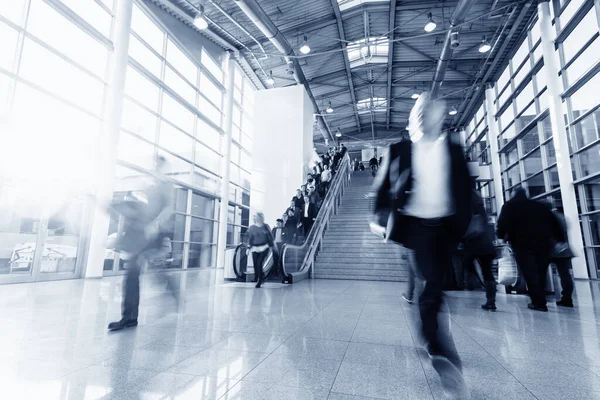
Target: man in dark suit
[[532, 230], [423, 196], [309, 213]]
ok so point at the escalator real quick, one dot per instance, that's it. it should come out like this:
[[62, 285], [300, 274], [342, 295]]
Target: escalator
[[243, 271]]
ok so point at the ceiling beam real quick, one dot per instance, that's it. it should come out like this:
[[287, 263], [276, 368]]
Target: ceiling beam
[[313, 25], [340, 26], [391, 29]]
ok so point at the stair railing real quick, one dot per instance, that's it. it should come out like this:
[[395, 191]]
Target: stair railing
[[298, 261]]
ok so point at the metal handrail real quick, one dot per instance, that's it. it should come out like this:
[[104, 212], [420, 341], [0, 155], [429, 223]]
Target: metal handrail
[[315, 237]]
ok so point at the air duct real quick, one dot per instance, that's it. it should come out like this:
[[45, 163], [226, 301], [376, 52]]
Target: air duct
[[258, 16], [457, 18]]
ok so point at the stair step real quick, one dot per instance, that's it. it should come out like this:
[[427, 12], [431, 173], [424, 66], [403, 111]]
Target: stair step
[[361, 278], [344, 258]]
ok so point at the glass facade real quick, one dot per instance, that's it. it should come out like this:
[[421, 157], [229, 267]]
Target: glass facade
[[527, 153], [55, 64]]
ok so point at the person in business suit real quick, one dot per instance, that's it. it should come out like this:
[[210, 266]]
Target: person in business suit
[[291, 227], [309, 213], [423, 193], [532, 230]]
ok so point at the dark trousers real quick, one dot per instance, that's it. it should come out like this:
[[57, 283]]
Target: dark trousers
[[307, 223], [534, 267], [485, 262], [566, 280], [131, 289], [432, 247], [258, 260]]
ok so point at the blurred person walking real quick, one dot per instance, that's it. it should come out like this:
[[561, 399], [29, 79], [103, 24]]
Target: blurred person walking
[[145, 238], [531, 229], [260, 241], [423, 195], [561, 257]]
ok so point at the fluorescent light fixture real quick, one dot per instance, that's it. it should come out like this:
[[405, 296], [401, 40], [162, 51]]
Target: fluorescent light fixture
[[338, 133], [453, 111], [414, 96], [485, 46], [430, 25], [305, 49], [200, 22], [329, 108], [270, 79]]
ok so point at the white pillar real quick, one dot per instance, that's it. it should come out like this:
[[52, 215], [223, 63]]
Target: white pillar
[[226, 168], [492, 138], [561, 146], [108, 144]]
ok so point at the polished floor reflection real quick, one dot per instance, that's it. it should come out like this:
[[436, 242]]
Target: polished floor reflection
[[321, 339]]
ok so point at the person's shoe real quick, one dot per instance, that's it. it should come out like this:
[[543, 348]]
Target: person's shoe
[[257, 286], [489, 306], [453, 383], [406, 299], [531, 306], [565, 303], [122, 324]]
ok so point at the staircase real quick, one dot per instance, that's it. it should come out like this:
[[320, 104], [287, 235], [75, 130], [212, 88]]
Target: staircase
[[350, 250]]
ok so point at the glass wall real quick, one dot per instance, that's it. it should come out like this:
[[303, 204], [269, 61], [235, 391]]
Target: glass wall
[[527, 154]]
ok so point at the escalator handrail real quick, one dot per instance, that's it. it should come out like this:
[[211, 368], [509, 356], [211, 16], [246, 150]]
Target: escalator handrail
[[244, 247], [315, 235]]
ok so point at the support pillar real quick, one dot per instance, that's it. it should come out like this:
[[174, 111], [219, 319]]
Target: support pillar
[[492, 137], [226, 168], [109, 141], [561, 146]]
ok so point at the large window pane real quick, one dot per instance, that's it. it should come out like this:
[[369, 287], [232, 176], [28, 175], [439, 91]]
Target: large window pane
[[143, 26], [205, 180], [8, 46], [553, 178], [586, 97], [92, 13], [142, 54], [504, 96], [536, 185], [136, 151], [60, 77], [520, 55], [513, 176], [525, 97], [13, 10], [503, 80], [540, 79], [180, 86], [207, 158], [202, 206], [589, 160], [209, 136], [181, 62], [530, 141], [587, 130], [141, 88], [209, 111], [526, 117], [550, 152], [175, 140], [569, 11], [584, 30], [592, 195], [584, 62], [212, 66], [200, 256], [533, 163], [522, 73], [176, 168], [177, 114], [201, 230], [210, 90], [138, 120], [507, 117]]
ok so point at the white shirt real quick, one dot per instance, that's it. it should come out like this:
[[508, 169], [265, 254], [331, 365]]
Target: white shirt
[[306, 210], [430, 196], [326, 175]]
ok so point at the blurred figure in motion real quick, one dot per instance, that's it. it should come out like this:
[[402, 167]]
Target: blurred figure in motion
[[423, 196], [408, 257], [561, 257], [373, 164], [145, 238], [355, 165], [479, 245], [259, 240], [532, 230]]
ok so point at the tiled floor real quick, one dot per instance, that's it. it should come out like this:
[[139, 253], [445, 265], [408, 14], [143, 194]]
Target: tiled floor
[[336, 340]]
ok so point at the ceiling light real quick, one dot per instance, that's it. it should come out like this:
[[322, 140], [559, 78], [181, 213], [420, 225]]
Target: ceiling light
[[338, 133], [200, 22], [430, 25], [270, 79], [329, 108], [485, 46], [305, 49], [453, 111], [414, 96]]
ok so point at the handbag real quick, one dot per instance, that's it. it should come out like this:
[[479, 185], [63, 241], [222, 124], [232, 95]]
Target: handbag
[[508, 272]]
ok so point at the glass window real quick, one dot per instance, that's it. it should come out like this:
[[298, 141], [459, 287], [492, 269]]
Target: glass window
[[525, 97], [181, 62], [536, 32], [550, 152], [592, 196], [138, 120], [175, 140], [247, 142], [136, 151], [13, 10], [587, 130], [522, 73], [507, 117], [508, 135], [543, 100], [553, 178], [584, 30], [207, 158], [60, 77], [235, 154], [512, 154], [595, 228], [538, 53], [584, 62], [520, 55], [586, 97], [147, 29], [533, 163], [8, 46], [180, 86], [246, 161], [201, 230], [212, 66], [205, 180], [208, 110], [540, 79], [176, 168], [209, 136], [513, 176], [142, 54], [526, 117], [237, 95], [568, 12], [200, 255], [202, 206], [530, 141], [210, 90], [92, 13], [504, 77], [589, 160], [177, 114], [141, 89], [504, 96], [368, 50], [536, 185]]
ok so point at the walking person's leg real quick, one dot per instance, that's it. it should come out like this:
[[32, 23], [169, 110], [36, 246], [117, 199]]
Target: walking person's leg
[[485, 262], [261, 258], [528, 265], [566, 281], [131, 296], [256, 260], [410, 291]]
